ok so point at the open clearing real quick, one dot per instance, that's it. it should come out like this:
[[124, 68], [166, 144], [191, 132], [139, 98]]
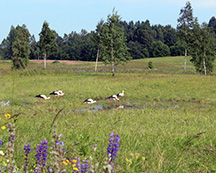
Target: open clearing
[[166, 121]]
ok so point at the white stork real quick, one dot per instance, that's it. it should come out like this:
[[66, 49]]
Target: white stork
[[57, 93], [43, 97], [90, 102], [120, 94], [112, 97]]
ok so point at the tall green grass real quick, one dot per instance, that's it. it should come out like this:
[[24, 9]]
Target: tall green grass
[[167, 124]]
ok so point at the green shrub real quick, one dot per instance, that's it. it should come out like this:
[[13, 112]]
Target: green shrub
[[150, 65]]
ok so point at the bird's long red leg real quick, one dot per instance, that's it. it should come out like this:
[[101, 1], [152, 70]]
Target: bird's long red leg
[[55, 97]]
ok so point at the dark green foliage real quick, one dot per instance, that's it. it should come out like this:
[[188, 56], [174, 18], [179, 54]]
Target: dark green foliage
[[137, 50], [212, 24], [170, 36], [143, 34], [177, 49], [158, 49], [35, 51], [20, 47]]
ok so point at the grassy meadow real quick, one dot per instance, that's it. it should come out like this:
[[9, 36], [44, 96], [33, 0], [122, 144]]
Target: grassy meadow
[[167, 123]]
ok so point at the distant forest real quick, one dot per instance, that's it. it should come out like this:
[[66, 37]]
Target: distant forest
[[143, 40]]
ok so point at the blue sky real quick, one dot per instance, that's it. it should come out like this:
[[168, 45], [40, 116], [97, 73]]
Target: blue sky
[[65, 16]]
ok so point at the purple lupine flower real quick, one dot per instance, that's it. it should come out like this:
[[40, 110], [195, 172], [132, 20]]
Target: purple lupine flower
[[113, 146], [84, 166], [78, 164], [27, 148], [13, 138], [0, 142], [41, 156]]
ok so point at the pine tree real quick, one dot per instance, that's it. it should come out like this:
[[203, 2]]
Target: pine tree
[[113, 47], [47, 41]]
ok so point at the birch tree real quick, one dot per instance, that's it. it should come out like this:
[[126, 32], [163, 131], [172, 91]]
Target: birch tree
[[184, 28], [113, 48], [97, 37], [203, 49], [47, 41]]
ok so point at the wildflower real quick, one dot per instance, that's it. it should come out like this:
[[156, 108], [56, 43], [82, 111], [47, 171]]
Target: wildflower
[[3, 127], [13, 138], [75, 167], [66, 162], [113, 146], [84, 166], [7, 115], [137, 155], [74, 161], [41, 155], [129, 161], [76, 164], [1, 153], [0, 142], [143, 158], [27, 149]]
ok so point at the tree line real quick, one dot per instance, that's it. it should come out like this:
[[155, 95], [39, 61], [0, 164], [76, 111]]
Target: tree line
[[115, 41]]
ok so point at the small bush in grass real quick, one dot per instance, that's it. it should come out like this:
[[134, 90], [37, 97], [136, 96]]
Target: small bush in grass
[[55, 62], [150, 65]]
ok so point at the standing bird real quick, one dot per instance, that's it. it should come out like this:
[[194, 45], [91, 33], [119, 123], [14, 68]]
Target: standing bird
[[90, 102], [120, 94], [43, 97], [113, 97]]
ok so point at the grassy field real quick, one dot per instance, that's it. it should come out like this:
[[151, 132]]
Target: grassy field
[[166, 124]]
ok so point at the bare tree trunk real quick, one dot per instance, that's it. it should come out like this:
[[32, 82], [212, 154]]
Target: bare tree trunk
[[185, 60], [112, 57], [97, 59], [204, 63], [45, 61], [113, 69]]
